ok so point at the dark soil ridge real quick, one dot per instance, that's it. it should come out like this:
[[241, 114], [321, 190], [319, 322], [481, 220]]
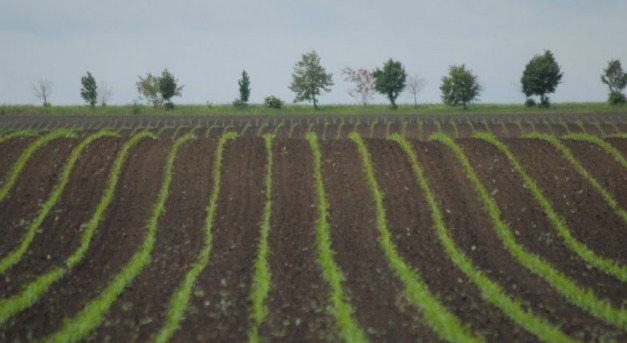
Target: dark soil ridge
[[32, 188], [474, 234], [117, 238], [11, 150], [60, 233]]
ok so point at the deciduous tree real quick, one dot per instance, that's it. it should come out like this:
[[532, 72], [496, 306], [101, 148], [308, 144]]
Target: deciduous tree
[[390, 80], [169, 88], [89, 89], [244, 90], [148, 88], [363, 80], [460, 86], [42, 90], [104, 94], [415, 84], [616, 80], [541, 76], [310, 78]]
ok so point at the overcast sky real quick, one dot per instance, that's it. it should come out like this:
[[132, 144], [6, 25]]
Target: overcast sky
[[207, 44]]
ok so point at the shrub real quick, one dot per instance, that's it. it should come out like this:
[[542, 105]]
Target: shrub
[[530, 102], [273, 102], [616, 98]]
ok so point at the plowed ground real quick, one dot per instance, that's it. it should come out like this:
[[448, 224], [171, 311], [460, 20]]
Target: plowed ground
[[299, 307]]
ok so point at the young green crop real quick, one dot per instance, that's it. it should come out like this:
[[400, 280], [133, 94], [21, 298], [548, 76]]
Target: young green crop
[[339, 129], [621, 212], [373, 124], [610, 149], [454, 125], [277, 128], [180, 299], [437, 124], [262, 277], [78, 327], [292, 128], [15, 255], [505, 130], [260, 130], [490, 290], [443, 322], [26, 155], [20, 133], [582, 297], [349, 329], [32, 291]]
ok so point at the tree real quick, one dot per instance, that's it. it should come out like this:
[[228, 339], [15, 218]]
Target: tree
[[541, 76], [415, 84], [310, 78], [149, 90], [244, 90], [104, 95], [364, 84], [89, 90], [169, 88], [391, 80], [614, 77], [460, 86], [42, 90]]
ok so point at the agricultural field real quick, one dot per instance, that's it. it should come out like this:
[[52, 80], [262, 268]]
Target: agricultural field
[[481, 228]]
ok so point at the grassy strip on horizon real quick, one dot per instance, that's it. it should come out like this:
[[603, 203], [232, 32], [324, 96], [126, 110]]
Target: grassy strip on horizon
[[262, 276], [86, 320], [582, 297], [345, 321], [15, 255], [609, 199], [491, 291], [26, 155], [443, 322], [32, 291], [180, 299]]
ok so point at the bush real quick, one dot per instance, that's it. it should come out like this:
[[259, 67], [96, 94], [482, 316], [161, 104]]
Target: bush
[[616, 98], [238, 103], [530, 102], [273, 102]]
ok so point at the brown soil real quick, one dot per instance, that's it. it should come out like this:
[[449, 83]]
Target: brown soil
[[11, 150]]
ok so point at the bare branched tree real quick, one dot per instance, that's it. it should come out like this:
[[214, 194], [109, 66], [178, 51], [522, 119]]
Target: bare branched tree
[[415, 84], [104, 95], [364, 84], [42, 90]]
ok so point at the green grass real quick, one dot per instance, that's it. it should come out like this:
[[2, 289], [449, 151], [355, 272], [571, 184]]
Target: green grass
[[15, 255], [262, 277], [180, 299], [303, 109], [346, 323], [26, 155], [443, 322], [582, 297], [490, 290], [583, 172], [32, 291], [78, 327]]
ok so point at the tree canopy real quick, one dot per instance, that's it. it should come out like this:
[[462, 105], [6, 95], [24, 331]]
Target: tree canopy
[[169, 88], [310, 78], [89, 90], [541, 76], [616, 80], [390, 80], [460, 86]]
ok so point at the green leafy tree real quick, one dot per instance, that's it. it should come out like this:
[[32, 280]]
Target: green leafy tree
[[541, 76], [460, 86], [310, 78], [89, 90], [169, 88], [244, 91], [616, 80], [149, 90], [390, 81]]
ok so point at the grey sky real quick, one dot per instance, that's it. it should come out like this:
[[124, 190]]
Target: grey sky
[[206, 44]]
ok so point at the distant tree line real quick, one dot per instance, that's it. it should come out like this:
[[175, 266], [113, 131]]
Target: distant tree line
[[310, 80]]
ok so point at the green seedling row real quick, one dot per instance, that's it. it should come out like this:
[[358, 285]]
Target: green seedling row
[[32, 292], [79, 326], [491, 291], [21, 133], [581, 170], [180, 299], [346, 323], [260, 131], [584, 298], [292, 128], [610, 149], [443, 322], [262, 278], [26, 155], [15, 255], [339, 129], [277, 128], [373, 124]]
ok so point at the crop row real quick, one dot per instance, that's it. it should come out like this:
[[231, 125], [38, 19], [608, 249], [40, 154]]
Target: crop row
[[443, 321]]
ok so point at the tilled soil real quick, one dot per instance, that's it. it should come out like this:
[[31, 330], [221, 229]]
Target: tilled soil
[[299, 300]]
